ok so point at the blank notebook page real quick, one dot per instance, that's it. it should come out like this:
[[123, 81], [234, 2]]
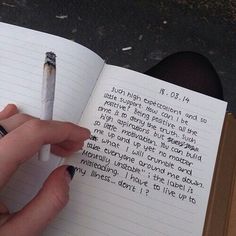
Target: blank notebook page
[[21, 67], [22, 55]]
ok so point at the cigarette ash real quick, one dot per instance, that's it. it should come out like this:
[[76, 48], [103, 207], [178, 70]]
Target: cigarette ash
[[50, 58]]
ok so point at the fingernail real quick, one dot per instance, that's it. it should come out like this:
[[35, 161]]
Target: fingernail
[[71, 171]]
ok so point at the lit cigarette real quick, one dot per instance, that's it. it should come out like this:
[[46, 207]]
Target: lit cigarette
[[47, 99]]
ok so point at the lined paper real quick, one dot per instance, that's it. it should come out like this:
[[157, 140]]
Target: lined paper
[[126, 172], [22, 55], [21, 67], [100, 206]]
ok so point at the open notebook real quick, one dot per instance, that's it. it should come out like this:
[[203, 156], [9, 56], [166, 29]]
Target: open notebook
[[147, 170]]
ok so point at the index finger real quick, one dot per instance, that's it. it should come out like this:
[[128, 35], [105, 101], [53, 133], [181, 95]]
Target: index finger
[[8, 111], [26, 140]]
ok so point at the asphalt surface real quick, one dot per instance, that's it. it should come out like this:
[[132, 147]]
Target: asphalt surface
[[150, 29]]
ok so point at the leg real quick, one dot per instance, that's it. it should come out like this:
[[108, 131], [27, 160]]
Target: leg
[[189, 70]]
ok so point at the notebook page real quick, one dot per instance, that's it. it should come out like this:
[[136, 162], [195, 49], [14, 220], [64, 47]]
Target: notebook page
[[148, 168], [22, 55], [21, 67]]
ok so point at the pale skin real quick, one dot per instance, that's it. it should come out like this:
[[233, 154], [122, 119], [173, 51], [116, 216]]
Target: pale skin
[[27, 134]]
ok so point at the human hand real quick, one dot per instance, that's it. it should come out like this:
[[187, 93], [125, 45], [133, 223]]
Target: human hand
[[27, 134]]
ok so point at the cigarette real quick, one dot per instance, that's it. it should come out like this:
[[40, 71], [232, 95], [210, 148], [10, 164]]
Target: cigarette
[[47, 97]]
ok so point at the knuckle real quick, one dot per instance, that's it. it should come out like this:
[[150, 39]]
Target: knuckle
[[23, 116], [57, 194], [59, 199], [34, 125]]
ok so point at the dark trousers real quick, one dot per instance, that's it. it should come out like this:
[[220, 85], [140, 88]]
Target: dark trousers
[[190, 70]]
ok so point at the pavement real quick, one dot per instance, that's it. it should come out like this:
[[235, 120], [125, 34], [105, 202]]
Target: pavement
[[137, 34]]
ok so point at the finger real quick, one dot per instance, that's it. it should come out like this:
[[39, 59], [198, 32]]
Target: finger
[[66, 148], [15, 121], [8, 111], [26, 140], [43, 208], [4, 213]]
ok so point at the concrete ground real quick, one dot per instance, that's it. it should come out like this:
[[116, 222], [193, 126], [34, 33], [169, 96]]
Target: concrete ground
[[153, 29]]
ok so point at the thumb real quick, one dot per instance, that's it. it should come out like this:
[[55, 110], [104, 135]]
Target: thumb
[[50, 200]]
